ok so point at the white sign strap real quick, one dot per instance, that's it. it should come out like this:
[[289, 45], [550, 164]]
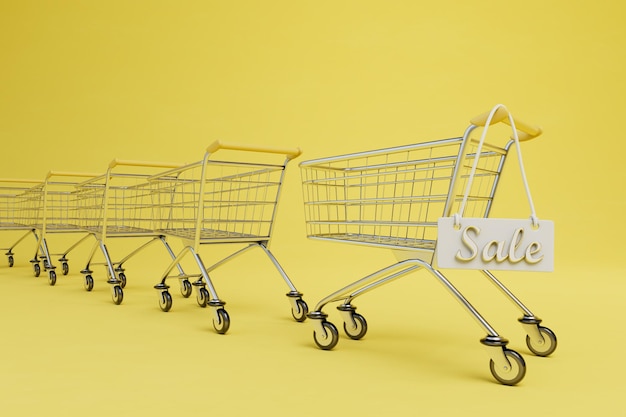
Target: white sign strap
[[505, 244], [495, 244]]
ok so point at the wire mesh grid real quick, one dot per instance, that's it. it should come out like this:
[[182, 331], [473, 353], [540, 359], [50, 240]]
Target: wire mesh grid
[[394, 197], [31, 206], [217, 200], [14, 209], [59, 207], [52, 205], [116, 204]]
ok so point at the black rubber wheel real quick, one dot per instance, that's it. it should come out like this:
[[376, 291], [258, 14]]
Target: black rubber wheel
[[122, 278], [88, 282], [185, 288], [547, 347], [11, 261], [117, 295], [36, 270], [303, 309], [357, 329], [202, 297], [65, 268], [165, 301], [222, 324], [329, 339], [514, 374], [52, 277]]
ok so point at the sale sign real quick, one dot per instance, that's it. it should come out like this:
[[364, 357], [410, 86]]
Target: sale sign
[[495, 244]]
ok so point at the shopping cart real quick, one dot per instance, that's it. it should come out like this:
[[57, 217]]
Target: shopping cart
[[50, 208], [392, 198], [222, 201], [12, 211], [118, 204]]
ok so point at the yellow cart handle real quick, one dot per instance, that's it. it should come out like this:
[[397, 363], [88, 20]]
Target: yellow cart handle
[[20, 180], [71, 174], [525, 131], [218, 144], [126, 162]]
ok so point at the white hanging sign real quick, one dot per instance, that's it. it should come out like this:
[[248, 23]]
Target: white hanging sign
[[487, 243], [495, 244]]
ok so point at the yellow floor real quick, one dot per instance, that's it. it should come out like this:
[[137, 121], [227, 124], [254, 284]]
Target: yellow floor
[[69, 352], [84, 82]]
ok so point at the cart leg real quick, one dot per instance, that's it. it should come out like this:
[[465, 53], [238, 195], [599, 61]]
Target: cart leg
[[185, 285], [136, 251], [221, 319], [299, 307], [165, 299], [118, 266], [280, 269], [17, 242], [325, 333], [47, 262], [354, 324], [507, 366], [39, 255], [63, 259], [464, 302], [35, 260], [176, 264], [367, 283], [206, 290], [540, 340], [10, 253], [86, 271], [117, 294], [206, 278], [230, 257]]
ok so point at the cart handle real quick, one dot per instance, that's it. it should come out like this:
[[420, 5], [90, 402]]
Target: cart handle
[[132, 163], [526, 131], [20, 180], [71, 174], [218, 144]]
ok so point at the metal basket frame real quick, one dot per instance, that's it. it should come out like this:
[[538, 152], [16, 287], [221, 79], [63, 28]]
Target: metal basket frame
[[222, 201], [392, 198]]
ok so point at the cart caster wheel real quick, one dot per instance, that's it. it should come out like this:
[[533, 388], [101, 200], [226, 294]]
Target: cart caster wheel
[[202, 297], [118, 295], [329, 339], [545, 347], [165, 301], [357, 329], [65, 268], [11, 261], [303, 309], [512, 375], [186, 288], [222, 323], [36, 270], [88, 282], [52, 277], [122, 278]]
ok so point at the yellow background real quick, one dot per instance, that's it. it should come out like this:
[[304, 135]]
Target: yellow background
[[83, 82]]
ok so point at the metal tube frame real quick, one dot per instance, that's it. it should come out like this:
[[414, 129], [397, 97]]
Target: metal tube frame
[[203, 275], [263, 246]]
